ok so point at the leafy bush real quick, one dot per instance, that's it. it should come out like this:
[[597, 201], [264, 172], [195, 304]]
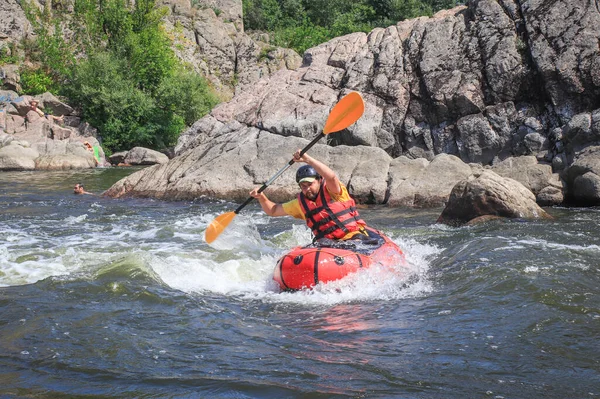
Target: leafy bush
[[129, 85], [356, 19], [301, 38], [104, 88], [111, 99], [150, 58], [49, 49], [185, 94], [7, 55], [322, 20], [36, 81]]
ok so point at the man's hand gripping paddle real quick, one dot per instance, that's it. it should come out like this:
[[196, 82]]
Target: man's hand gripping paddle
[[347, 111]]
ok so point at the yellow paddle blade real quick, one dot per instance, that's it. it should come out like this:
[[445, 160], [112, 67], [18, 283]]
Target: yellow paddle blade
[[217, 226], [347, 111]]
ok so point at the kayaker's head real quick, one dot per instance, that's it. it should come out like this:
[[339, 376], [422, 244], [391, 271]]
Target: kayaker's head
[[309, 181]]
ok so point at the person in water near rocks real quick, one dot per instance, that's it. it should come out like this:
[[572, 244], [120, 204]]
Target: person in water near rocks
[[324, 203], [78, 189]]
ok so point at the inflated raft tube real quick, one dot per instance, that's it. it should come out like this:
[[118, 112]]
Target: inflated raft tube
[[328, 260]]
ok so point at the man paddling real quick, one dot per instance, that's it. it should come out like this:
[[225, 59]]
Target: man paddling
[[324, 203], [344, 113]]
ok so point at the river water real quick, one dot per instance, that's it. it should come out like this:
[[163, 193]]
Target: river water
[[122, 298]]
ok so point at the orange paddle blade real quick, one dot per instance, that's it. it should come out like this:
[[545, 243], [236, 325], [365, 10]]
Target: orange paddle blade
[[217, 226], [347, 111]]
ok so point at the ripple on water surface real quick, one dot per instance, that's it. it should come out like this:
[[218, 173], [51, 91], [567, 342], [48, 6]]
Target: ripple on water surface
[[124, 298]]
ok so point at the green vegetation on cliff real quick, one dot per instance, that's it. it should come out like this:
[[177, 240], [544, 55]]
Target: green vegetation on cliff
[[301, 24], [118, 67], [113, 60]]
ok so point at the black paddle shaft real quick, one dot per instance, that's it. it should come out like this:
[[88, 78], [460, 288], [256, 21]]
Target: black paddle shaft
[[276, 175]]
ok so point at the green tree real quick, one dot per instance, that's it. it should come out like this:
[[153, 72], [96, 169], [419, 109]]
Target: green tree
[[262, 14], [293, 13], [381, 8], [87, 26], [301, 24], [150, 58], [130, 85], [115, 19], [301, 37], [105, 90], [186, 94], [356, 19], [325, 12], [407, 9]]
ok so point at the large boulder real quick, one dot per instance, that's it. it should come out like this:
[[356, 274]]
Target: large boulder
[[490, 195], [53, 105], [229, 165], [144, 156], [15, 156], [548, 187], [232, 164], [59, 145], [63, 155], [14, 25], [583, 177], [420, 183]]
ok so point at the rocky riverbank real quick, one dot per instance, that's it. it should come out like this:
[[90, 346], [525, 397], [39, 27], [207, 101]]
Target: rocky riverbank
[[470, 89], [32, 140], [496, 86]]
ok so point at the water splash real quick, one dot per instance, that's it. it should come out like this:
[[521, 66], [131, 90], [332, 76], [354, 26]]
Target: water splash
[[103, 241]]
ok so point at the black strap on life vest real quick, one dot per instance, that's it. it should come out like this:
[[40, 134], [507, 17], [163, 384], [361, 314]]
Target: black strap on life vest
[[331, 216]]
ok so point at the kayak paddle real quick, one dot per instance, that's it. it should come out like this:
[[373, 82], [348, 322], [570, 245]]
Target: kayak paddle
[[347, 111]]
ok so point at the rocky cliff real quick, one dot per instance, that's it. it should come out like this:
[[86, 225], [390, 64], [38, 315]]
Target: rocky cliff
[[484, 84], [207, 35], [511, 85]]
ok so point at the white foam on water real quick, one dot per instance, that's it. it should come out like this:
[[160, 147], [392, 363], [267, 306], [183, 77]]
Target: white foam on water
[[232, 276], [50, 248], [539, 243], [250, 275], [71, 220], [28, 268], [238, 263]]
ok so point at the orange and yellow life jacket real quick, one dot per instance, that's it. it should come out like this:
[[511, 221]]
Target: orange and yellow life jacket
[[328, 218]]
